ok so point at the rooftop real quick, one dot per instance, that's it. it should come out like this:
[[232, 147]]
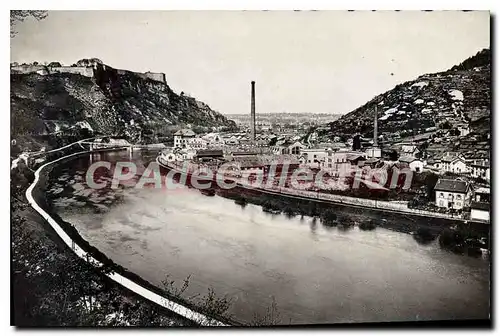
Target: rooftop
[[481, 164], [449, 157], [482, 190], [250, 162], [209, 153], [451, 185], [185, 132], [407, 159], [372, 160], [352, 157], [243, 153], [480, 206]]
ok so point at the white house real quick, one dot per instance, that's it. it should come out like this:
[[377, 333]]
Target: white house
[[338, 160], [182, 136], [480, 211], [179, 155], [409, 149], [373, 152], [480, 207], [480, 168], [415, 164], [452, 194], [232, 140], [214, 139], [313, 157], [453, 163], [287, 147], [463, 129], [196, 143]]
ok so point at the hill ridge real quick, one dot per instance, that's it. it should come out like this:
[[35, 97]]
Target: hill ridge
[[456, 98]]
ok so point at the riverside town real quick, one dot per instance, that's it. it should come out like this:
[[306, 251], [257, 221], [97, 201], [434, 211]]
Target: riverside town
[[257, 175], [229, 173]]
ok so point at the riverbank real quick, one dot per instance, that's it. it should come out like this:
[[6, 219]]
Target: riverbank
[[316, 273], [422, 225], [105, 267], [53, 287], [319, 196]]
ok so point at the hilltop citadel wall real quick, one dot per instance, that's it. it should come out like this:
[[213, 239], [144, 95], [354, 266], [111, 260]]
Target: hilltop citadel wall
[[86, 71]]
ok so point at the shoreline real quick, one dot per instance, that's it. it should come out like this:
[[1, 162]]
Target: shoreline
[[397, 221], [334, 199]]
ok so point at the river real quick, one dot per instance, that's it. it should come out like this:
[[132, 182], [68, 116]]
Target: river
[[313, 274]]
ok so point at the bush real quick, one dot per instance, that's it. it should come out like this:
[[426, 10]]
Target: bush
[[329, 218], [368, 225], [452, 240], [424, 235]]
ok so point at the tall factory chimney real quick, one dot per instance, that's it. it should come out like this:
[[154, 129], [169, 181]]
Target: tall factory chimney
[[252, 114], [375, 127]]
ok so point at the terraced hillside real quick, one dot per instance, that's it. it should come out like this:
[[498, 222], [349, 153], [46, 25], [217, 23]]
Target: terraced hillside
[[451, 99]]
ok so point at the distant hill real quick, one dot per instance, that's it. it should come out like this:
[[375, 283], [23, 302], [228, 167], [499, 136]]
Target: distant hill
[[109, 101], [459, 96]]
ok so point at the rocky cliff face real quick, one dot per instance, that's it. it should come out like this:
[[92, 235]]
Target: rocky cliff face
[[114, 102], [460, 96]]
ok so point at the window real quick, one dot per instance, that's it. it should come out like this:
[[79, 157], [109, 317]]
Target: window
[[441, 195], [441, 203], [458, 204]]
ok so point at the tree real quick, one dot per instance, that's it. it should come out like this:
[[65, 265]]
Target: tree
[[445, 125], [21, 15], [83, 62], [393, 155], [356, 142], [430, 181], [95, 60]]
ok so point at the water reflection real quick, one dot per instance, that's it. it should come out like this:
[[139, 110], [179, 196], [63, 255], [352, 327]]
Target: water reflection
[[317, 274]]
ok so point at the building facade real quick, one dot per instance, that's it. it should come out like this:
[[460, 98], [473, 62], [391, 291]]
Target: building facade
[[288, 147], [182, 137], [415, 164], [196, 143], [452, 194], [480, 207], [453, 164], [480, 168]]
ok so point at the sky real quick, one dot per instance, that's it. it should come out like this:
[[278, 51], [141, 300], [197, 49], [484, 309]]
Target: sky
[[304, 61]]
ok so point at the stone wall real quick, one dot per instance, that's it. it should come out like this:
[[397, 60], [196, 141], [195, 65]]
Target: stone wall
[[84, 71], [157, 76], [24, 69], [44, 70], [354, 201]]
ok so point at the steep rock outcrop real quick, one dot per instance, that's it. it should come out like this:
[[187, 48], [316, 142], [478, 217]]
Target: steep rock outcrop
[[115, 102]]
